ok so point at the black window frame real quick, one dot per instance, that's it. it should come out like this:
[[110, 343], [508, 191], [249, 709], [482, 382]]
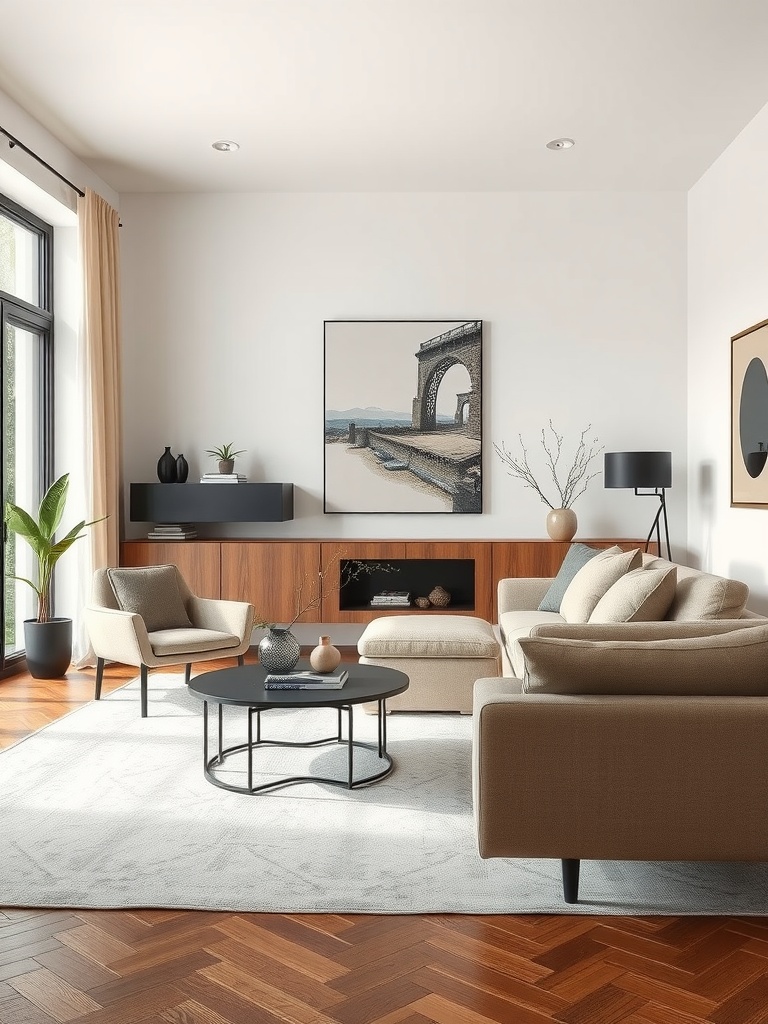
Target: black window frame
[[39, 320]]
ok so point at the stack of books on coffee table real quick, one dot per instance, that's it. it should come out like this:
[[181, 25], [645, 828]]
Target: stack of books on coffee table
[[300, 680], [172, 531], [391, 599], [223, 478]]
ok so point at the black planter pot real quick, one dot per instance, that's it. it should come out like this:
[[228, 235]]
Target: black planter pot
[[48, 647]]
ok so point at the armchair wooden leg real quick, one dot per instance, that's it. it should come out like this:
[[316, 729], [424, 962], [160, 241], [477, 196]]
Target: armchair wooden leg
[[144, 681], [241, 659], [187, 672], [571, 880], [99, 677]]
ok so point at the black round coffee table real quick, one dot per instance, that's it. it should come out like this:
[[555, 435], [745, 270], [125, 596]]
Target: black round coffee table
[[243, 686]]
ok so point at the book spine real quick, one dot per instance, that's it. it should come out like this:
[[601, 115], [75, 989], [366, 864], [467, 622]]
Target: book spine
[[302, 686]]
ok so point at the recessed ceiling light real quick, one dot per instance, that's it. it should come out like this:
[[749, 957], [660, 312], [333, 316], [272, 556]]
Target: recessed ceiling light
[[561, 144], [225, 146]]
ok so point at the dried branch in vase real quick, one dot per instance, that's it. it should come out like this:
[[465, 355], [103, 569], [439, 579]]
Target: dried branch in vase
[[313, 586], [576, 480]]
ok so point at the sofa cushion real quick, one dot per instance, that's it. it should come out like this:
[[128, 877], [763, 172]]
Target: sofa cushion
[[700, 595], [576, 556], [733, 663], [153, 593], [641, 595], [513, 625], [167, 642], [428, 636], [594, 579]]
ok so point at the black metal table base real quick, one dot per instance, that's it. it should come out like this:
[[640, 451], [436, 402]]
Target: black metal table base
[[210, 763]]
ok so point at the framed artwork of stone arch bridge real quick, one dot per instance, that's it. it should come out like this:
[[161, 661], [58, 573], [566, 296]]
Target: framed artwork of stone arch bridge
[[403, 416]]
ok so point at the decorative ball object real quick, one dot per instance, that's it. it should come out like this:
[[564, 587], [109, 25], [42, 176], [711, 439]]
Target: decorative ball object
[[422, 602], [440, 597]]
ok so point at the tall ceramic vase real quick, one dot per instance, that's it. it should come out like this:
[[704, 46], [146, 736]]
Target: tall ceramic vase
[[562, 524], [166, 467], [279, 650]]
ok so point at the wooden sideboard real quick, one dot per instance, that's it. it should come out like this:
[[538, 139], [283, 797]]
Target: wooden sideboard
[[268, 573]]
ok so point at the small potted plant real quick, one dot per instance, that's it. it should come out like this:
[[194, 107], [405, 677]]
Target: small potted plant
[[226, 456], [47, 639]]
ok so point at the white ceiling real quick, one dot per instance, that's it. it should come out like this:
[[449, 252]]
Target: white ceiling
[[389, 95]]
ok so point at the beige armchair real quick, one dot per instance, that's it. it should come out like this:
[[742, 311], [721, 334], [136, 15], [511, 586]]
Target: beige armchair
[[149, 617]]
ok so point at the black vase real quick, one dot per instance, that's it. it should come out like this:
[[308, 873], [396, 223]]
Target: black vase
[[166, 467], [182, 469]]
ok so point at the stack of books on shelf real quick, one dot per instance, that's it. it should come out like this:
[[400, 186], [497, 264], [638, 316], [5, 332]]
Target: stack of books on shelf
[[305, 680], [172, 531], [391, 599], [223, 478]]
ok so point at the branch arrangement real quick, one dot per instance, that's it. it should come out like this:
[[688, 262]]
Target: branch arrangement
[[313, 586], [578, 476]]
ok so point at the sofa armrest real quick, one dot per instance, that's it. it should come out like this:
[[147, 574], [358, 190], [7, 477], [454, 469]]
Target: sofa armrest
[[118, 636], [225, 616], [619, 778], [521, 594]]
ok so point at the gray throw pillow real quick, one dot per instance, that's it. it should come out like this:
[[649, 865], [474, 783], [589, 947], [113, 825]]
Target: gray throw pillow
[[577, 556], [153, 593]]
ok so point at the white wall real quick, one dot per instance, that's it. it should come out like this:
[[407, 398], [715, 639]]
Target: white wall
[[582, 295], [727, 293]]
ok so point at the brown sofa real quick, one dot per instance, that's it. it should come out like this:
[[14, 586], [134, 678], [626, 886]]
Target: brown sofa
[[625, 741]]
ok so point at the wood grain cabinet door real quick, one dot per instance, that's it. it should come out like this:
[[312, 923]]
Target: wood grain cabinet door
[[199, 561], [270, 575]]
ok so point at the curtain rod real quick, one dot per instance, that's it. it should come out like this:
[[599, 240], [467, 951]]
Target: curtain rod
[[12, 141]]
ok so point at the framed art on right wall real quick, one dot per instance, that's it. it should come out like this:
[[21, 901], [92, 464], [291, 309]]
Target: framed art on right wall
[[749, 417]]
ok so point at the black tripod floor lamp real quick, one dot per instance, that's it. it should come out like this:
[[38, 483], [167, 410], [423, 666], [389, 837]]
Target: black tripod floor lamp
[[649, 472]]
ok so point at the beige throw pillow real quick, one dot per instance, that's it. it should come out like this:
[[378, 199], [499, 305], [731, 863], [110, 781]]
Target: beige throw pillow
[[641, 595], [153, 593], [700, 595], [726, 664], [594, 579]]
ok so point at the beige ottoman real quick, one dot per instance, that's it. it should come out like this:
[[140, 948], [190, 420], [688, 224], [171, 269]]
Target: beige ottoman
[[442, 655]]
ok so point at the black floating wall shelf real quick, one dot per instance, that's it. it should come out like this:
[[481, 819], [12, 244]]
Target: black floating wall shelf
[[211, 503]]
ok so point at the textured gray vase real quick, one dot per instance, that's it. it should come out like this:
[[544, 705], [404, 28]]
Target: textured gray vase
[[279, 650]]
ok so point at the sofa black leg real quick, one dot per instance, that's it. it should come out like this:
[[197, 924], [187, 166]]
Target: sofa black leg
[[99, 677], [144, 681], [241, 659], [571, 880], [187, 672]]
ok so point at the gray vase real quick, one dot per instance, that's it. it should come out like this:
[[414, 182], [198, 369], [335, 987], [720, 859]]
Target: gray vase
[[279, 650]]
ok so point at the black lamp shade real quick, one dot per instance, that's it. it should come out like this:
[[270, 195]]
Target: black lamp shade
[[638, 469]]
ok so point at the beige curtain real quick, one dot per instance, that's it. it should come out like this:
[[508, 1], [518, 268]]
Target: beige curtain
[[100, 346]]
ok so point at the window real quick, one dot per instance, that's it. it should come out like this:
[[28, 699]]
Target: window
[[26, 326]]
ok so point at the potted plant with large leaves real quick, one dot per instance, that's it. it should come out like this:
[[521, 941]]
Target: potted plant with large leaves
[[47, 639]]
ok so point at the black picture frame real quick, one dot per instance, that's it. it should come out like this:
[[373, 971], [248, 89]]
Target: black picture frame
[[402, 403]]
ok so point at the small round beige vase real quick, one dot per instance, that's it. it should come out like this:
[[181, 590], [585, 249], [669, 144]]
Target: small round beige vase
[[561, 524], [325, 657]]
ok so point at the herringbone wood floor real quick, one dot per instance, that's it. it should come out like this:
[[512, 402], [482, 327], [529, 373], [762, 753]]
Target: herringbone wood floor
[[188, 967]]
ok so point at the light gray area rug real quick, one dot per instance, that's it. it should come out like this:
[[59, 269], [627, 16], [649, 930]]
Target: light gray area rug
[[106, 809]]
